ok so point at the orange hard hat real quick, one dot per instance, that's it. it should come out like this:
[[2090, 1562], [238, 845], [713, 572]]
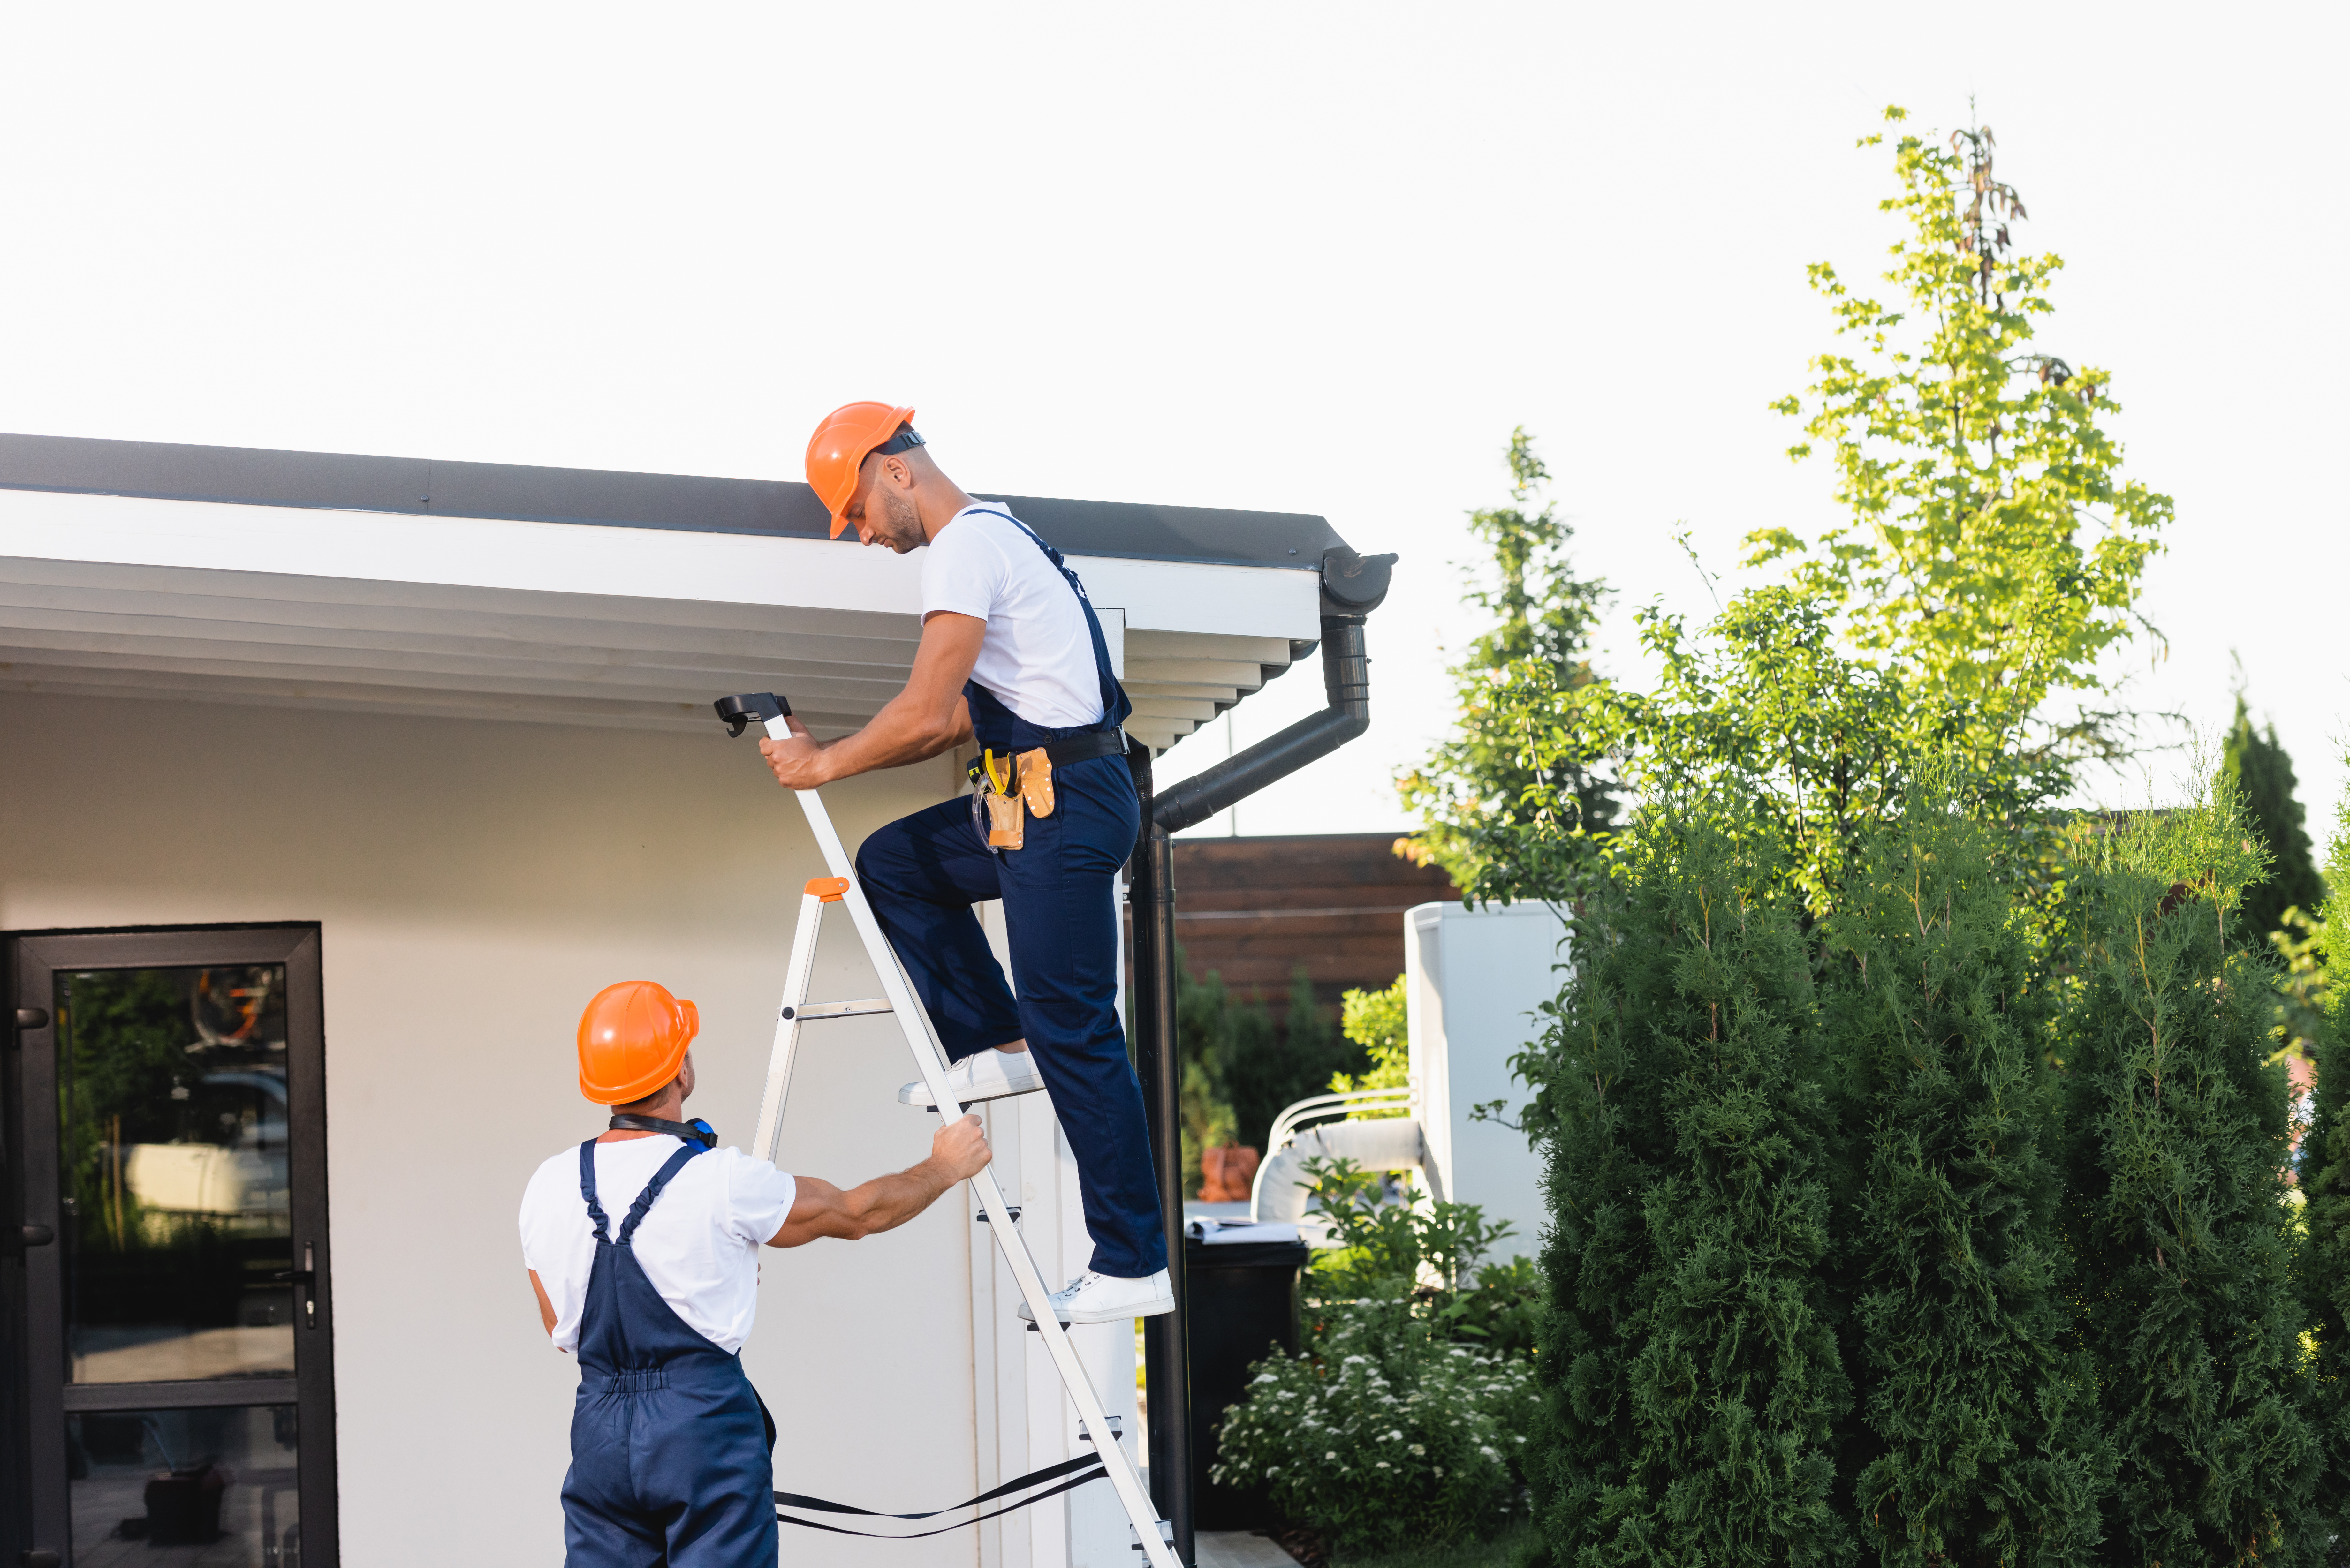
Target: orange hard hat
[[632, 1039], [842, 442]]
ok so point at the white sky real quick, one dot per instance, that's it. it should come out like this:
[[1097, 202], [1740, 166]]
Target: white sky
[[1317, 258]]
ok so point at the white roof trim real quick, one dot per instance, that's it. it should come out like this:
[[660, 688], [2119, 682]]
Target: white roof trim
[[567, 622]]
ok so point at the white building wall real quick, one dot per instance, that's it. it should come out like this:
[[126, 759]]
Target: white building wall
[[476, 883]]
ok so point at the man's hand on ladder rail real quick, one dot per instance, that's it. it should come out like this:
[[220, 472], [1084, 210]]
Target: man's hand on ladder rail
[[797, 763], [958, 1151], [927, 718]]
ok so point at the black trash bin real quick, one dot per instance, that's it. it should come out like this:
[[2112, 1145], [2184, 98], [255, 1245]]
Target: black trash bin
[[1243, 1304]]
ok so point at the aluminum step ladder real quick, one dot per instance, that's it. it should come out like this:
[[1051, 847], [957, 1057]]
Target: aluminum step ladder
[[1153, 1535]]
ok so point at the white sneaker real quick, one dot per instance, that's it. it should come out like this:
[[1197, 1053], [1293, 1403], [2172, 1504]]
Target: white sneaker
[[1106, 1298], [985, 1074]]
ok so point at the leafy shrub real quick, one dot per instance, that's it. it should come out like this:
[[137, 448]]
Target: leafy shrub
[[1406, 1420], [1383, 1434], [1503, 1312], [1430, 1258], [1392, 1250]]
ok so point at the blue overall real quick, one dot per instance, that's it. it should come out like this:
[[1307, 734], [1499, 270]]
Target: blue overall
[[671, 1448], [924, 873]]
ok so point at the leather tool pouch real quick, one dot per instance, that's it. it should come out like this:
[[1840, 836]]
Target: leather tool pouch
[[1006, 828], [1027, 792], [1036, 782]]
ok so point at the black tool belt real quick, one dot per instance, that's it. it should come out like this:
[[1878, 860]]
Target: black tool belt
[[1086, 747]]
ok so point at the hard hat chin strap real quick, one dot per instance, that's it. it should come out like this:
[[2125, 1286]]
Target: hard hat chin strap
[[695, 1131]]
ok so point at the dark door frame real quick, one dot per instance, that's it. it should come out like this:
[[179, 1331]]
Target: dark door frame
[[34, 1298]]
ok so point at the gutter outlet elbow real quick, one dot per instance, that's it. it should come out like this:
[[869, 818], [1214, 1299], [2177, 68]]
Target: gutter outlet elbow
[[1352, 587]]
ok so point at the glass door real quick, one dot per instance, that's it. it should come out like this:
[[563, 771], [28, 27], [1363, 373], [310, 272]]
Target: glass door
[[179, 1407]]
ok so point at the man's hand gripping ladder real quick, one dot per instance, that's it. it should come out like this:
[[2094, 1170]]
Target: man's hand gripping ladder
[[922, 1038]]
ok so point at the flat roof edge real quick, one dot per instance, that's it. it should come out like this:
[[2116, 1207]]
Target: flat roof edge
[[339, 481]]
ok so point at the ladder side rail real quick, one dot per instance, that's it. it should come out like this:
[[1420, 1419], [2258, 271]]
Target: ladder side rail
[[932, 1062], [796, 979]]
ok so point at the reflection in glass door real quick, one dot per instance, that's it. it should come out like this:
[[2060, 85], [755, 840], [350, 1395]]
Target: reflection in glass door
[[178, 1238], [187, 1356]]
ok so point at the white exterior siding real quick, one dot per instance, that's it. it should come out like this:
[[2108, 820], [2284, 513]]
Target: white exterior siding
[[475, 883]]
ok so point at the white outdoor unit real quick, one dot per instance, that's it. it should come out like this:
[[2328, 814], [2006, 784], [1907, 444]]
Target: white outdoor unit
[[1474, 979]]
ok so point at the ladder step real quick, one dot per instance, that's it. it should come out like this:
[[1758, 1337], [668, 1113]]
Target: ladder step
[[809, 1012]]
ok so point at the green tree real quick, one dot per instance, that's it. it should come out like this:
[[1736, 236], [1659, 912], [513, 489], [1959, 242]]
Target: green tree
[[1262, 1069], [2263, 776], [1378, 1022], [1987, 566], [1979, 1441], [1503, 824], [1695, 1367], [1990, 547], [2175, 1132]]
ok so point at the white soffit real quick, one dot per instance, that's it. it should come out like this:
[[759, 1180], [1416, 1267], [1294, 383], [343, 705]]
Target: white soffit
[[561, 622]]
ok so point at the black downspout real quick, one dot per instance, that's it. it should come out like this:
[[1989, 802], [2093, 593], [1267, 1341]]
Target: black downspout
[[1166, 1353], [1352, 587]]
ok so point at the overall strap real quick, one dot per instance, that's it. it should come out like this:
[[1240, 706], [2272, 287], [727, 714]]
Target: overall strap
[[588, 1188], [652, 1192], [1115, 705]]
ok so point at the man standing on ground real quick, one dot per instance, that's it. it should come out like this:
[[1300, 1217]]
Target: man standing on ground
[[671, 1446], [1012, 656]]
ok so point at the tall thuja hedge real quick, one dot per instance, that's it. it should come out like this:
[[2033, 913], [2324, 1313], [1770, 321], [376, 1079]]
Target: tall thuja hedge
[[2180, 1239], [1696, 1374], [2324, 1269], [1976, 1439], [2323, 1262]]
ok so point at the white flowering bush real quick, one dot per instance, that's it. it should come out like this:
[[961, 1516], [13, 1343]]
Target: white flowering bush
[[1382, 1435]]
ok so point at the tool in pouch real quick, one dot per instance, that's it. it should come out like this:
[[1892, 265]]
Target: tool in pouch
[[1152, 1535], [1006, 792]]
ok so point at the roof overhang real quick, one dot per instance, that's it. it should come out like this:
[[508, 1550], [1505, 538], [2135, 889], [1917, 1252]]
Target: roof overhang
[[567, 596]]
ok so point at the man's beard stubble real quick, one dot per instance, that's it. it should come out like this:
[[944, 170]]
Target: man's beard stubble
[[902, 525]]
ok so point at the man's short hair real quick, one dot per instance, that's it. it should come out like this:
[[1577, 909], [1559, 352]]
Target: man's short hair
[[649, 1101]]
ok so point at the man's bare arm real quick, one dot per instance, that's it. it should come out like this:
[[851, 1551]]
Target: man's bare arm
[[546, 1307], [928, 717], [958, 1151]]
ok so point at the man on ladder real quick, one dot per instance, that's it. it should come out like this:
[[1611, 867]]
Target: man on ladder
[[1012, 656], [671, 1446]]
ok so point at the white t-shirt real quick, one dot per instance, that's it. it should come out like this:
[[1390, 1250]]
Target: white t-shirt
[[1036, 656], [699, 1244]]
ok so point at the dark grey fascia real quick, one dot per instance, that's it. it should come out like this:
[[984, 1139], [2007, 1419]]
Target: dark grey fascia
[[335, 481]]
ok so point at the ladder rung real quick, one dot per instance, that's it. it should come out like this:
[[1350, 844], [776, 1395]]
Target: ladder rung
[[810, 1011]]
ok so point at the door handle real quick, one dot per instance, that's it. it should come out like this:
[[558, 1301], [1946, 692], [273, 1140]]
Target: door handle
[[307, 1278], [38, 1236]]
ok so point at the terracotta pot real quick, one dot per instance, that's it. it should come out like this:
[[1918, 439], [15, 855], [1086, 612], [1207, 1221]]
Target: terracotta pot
[[1226, 1173]]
